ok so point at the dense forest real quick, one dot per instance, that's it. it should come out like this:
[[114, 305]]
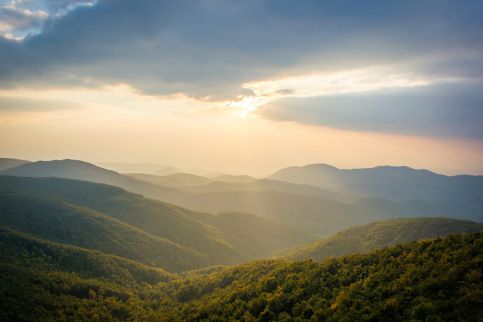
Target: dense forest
[[365, 238], [435, 280], [80, 251]]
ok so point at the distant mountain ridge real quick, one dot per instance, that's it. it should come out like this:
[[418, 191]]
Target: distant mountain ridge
[[327, 176], [461, 194], [7, 163], [304, 207]]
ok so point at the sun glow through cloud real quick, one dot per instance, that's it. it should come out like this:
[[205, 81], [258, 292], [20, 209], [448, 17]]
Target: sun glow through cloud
[[223, 81], [325, 84]]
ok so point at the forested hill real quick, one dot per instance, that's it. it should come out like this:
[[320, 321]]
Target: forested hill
[[435, 280], [19, 249], [114, 221], [438, 280], [365, 238]]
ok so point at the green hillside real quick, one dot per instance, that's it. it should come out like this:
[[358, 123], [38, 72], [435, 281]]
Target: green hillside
[[54, 220], [365, 238], [42, 281], [19, 249], [437, 280], [185, 239]]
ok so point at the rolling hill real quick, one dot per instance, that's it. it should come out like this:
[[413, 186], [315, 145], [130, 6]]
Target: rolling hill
[[303, 207], [24, 250], [435, 280], [44, 281], [80, 170], [57, 221], [366, 238], [181, 238]]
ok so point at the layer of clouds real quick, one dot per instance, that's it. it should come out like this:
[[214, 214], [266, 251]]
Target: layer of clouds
[[209, 48], [447, 110]]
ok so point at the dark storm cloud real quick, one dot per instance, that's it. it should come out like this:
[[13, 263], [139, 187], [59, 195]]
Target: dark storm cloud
[[447, 110], [211, 47]]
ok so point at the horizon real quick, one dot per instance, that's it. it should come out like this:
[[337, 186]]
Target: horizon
[[150, 167]]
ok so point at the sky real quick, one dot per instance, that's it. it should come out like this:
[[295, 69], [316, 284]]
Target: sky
[[244, 86]]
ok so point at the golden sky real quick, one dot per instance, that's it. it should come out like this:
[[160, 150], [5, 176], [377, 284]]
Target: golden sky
[[119, 124], [244, 86]]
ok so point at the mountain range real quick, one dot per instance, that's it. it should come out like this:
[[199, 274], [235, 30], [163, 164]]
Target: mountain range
[[79, 242], [460, 194], [307, 205], [114, 221]]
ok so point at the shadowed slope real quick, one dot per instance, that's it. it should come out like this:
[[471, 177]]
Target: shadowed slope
[[22, 249], [57, 221], [198, 232]]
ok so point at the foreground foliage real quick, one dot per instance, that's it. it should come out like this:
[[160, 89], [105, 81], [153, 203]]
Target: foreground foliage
[[437, 280]]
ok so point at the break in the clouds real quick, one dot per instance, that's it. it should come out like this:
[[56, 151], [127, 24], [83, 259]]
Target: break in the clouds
[[443, 110], [245, 51], [21, 18]]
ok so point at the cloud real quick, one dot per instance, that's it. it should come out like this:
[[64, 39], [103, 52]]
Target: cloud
[[440, 110], [209, 48], [60, 7]]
